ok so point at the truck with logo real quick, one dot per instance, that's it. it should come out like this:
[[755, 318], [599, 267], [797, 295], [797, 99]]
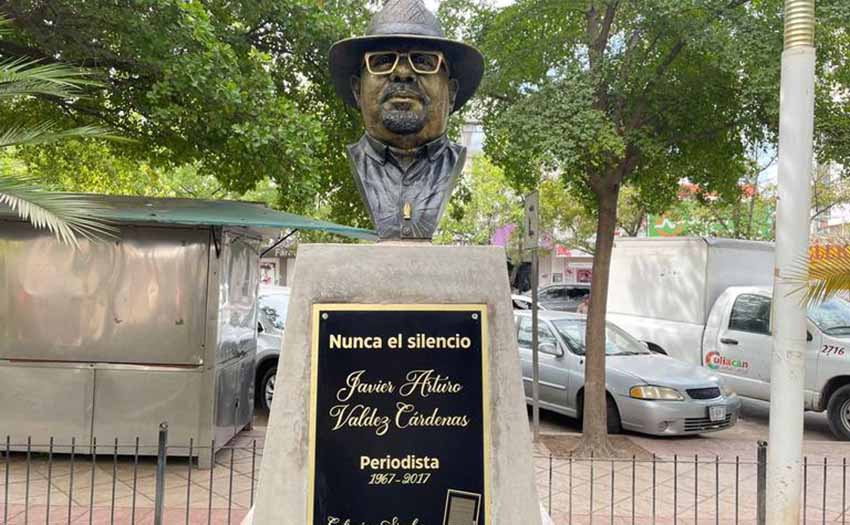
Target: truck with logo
[[707, 301]]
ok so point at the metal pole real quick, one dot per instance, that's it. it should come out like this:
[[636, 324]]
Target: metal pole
[[159, 502], [532, 210], [535, 345], [796, 129], [761, 482]]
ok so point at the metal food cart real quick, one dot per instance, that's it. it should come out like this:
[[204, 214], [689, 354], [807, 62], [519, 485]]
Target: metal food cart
[[106, 341]]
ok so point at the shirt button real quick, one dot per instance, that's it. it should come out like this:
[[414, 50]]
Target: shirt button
[[406, 230]]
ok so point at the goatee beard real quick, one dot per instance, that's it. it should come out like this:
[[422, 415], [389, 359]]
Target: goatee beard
[[403, 122]]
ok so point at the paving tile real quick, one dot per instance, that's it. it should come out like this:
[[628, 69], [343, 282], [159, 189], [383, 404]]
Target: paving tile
[[106, 516]]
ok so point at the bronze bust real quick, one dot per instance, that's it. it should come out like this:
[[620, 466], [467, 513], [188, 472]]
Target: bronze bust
[[406, 78]]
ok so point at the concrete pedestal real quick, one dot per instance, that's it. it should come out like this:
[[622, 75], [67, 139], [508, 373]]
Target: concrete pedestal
[[398, 274]]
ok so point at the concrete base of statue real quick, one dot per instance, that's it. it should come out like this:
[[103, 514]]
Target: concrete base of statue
[[398, 273], [545, 519]]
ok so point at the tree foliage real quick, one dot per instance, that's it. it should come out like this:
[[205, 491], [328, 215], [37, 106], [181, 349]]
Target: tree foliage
[[237, 90], [482, 202]]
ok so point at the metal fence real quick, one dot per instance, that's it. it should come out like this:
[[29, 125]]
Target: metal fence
[[127, 483], [123, 483], [683, 490]]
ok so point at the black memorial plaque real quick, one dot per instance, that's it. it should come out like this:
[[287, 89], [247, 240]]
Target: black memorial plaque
[[399, 429]]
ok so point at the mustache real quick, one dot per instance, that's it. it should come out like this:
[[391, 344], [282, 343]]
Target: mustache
[[404, 90]]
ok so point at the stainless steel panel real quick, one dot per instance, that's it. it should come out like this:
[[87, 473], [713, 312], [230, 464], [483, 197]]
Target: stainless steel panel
[[131, 402], [245, 410], [227, 388], [237, 309], [234, 398], [139, 300], [45, 401]]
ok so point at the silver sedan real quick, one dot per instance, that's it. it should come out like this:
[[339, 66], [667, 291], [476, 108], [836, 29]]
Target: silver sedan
[[647, 392]]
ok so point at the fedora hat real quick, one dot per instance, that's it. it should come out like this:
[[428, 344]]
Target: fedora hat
[[406, 23]]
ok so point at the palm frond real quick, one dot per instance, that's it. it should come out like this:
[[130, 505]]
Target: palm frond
[[22, 76], [68, 217], [5, 25], [820, 278], [46, 132]]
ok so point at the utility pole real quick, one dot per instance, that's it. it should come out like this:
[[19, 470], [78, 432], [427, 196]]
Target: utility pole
[[796, 130], [532, 237]]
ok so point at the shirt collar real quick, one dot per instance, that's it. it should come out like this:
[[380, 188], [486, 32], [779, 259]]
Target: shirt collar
[[380, 151]]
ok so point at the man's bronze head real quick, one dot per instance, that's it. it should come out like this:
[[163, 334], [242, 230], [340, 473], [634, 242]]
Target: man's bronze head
[[405, 95], [390, 74], [405, 77]]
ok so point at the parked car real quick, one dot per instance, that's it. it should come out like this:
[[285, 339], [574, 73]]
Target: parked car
[[272, 302], [563, 297], [647, 392], [708, 302], [523, 302]]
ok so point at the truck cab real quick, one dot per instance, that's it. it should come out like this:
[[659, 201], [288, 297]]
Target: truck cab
[[737, 344]]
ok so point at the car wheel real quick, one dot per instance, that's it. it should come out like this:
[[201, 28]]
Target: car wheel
[[614, 426], [613, 415], [838, 413], [267, 388]]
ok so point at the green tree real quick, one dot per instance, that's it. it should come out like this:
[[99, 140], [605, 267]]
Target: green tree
[[482, 202], [68, 217], [89, 166], [616, 93], [564, 218], [829, 189], [750, 215], [238, 90]]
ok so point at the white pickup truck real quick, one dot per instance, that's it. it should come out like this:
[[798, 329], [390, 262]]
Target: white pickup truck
[[708, 301]]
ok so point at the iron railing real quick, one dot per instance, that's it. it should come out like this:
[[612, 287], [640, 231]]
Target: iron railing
[[128, 484], [121, 483]]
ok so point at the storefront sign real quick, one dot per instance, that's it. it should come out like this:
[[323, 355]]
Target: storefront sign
[[399, 425]]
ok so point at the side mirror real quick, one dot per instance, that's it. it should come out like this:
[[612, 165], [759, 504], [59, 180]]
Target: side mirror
[[549, 348], [809, 336], [260, 328]]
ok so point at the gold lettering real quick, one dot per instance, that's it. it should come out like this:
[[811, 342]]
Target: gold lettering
[[427, 382], [359, 416], [355, 343], [355, 385], [417, 419], [422, 341]]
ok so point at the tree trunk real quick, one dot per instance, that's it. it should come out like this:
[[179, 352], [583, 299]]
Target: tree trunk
[[752, 210], [595, 429]]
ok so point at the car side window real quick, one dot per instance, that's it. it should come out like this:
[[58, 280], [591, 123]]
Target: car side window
[[544, 335], [578, 293], [524, 335], [751, 313]]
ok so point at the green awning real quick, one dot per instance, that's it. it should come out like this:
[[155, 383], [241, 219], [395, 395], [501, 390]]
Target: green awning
[[195, 212]]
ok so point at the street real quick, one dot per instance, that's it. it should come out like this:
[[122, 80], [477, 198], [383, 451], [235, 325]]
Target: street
[[752, 425]]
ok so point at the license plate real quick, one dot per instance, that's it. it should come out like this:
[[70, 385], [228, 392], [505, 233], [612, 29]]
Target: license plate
[[717, 413]]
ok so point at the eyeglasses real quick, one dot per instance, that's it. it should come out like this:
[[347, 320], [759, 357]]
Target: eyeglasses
[[423, 62]]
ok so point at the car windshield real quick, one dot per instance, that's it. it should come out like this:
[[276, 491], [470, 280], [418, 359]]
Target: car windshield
[[832, 316], [274, 308], [617, 342]]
